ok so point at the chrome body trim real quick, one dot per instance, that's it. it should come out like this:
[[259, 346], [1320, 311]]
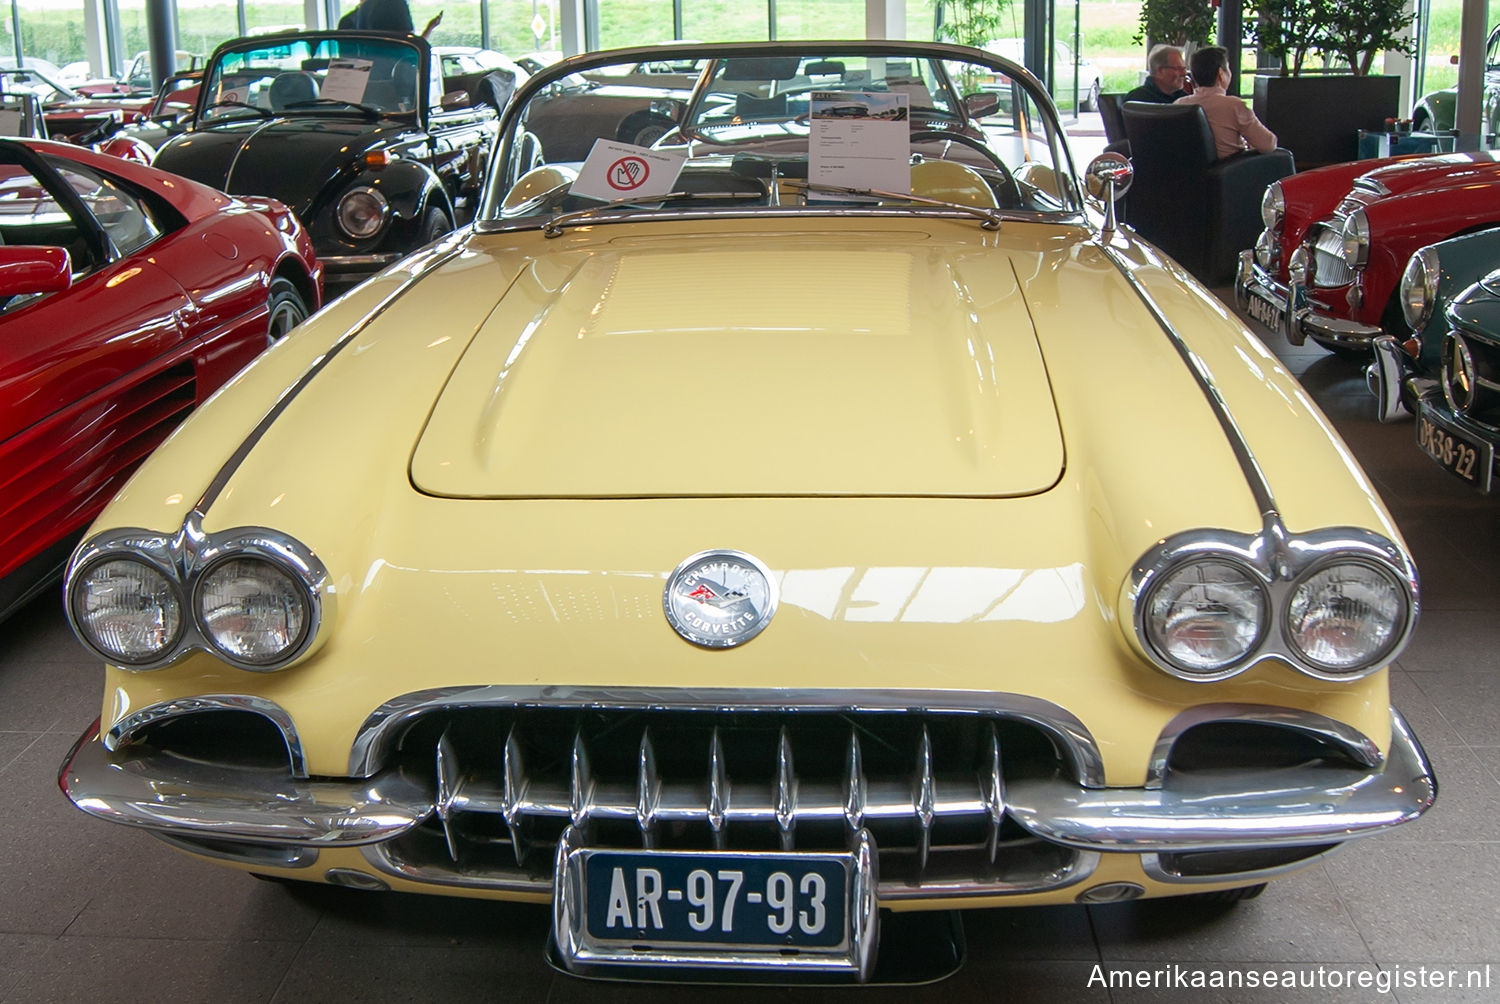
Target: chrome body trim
[[341, 263], [581, 951], [1152, 865], [385, 214], [124, 732], [1355, 743], [281, 856], [185, 559], [188, 798], [1235, 809], [380, 730], [781, 212], [1279, 562]]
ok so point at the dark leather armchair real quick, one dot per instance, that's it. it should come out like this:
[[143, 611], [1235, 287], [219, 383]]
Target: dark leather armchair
[[1114, 122], [1198, 208]]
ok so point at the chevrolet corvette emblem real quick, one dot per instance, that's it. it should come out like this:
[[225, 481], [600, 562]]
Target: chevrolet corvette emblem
[[719, 599]]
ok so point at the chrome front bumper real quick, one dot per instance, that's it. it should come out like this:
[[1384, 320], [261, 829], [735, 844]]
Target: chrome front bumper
[[1287, 309], [1230, 809]]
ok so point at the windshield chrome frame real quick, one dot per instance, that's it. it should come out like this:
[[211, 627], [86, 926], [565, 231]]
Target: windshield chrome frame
[[489, 220]]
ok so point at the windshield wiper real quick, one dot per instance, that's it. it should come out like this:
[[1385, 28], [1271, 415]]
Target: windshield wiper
[[366, 109], [554, 227], [239, 104], [990, 219]]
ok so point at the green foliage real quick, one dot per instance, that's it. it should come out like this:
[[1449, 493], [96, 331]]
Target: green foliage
[[1349, 32], [973, 22], [1176, 21]]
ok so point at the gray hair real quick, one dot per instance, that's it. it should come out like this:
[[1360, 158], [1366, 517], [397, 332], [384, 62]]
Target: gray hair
[[1156, 59]]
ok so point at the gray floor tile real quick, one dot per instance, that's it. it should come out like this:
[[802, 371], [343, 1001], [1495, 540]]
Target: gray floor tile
[[351, 918], [1448, 640], [1427, 984], [1469, 700], [1437, 907], [1299, 918], [1052, 933], [134, 969], [1468, 803], [416, 973], [1245, 983], [1431, 728]]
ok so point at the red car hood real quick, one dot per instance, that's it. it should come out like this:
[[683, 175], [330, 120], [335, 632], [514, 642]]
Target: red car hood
[[1447, 170]]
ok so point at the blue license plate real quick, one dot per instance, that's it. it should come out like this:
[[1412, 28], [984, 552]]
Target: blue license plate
[[651, 898]]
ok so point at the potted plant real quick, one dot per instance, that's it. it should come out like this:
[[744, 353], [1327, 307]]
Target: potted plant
[[1318, 115]]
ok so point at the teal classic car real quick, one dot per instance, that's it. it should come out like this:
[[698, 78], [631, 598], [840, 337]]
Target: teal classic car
[[1447, 372]]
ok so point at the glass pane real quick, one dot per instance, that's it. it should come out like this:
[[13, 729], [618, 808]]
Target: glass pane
[[264, 75], [634, 22], [820, 19], [120, 214]]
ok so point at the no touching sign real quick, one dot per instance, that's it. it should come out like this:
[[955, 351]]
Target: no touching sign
[[620, 171]]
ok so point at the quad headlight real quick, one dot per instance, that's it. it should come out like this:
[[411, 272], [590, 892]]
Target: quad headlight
[[362, 212], [1336, 604], [1419, 287], [253, 597]]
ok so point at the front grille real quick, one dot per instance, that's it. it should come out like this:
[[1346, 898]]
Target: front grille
[[1330, 271], [929, 787]]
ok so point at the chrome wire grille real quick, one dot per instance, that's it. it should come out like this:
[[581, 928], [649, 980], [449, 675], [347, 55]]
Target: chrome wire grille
[[1330, 271], [929, 787]]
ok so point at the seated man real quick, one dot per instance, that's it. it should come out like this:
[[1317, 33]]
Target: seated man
[[1234, 125], [1167, 72]]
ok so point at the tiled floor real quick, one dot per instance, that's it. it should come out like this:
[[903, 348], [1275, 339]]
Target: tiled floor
[[90, 911]]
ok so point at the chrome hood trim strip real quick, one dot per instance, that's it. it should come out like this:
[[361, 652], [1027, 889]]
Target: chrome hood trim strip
[[373, 742]]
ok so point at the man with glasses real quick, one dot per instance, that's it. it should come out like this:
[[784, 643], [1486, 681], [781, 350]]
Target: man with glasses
[[1167, 77]]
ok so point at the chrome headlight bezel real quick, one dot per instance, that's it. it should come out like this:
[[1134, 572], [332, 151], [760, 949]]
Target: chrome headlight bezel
[[1356, 236], [1281, 564], [146, 548], [1419, 282], [362, 212], [1299, 267], [1273, 207], [185, 559]]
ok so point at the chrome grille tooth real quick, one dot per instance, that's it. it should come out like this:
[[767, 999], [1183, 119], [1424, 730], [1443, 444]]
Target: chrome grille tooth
[[514, 792], [786, 792], [855, 791], [992, 785], [924, 799], [718, 792], [580, 785], [647, 791], [449, 791]]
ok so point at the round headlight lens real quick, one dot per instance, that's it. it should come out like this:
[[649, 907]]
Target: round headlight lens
[[128, 610], [1205, 616], [253, 611], [1297, 267], [1342, 619], [1272, 206], [362, 212], [1418, 283], [1267, 250], [1356, 239]]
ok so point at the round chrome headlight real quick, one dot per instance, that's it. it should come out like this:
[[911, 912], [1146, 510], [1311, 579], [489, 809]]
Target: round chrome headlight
[[1297, 269], [1419, 286], [128, 610], [1347, 617], [1204, 617], [253, 611], [362, 212], [1356, 239], [1272, 206], [1267, 250]]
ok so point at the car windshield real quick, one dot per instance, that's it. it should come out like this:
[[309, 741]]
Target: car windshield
[[782, 127], [313, 75]]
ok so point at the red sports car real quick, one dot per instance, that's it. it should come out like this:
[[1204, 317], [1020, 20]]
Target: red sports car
[[127, 296], [1328, 265]]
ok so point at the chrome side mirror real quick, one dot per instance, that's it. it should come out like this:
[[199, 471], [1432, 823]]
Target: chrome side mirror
[[1108, 178]]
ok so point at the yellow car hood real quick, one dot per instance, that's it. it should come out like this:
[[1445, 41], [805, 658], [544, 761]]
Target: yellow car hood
[[643, 368]]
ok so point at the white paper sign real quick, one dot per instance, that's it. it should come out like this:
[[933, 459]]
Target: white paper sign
[[10, 122], [347, 80], [860, 139], [621, 171]]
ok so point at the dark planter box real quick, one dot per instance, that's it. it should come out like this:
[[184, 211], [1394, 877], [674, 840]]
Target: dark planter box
[[1318, 118]]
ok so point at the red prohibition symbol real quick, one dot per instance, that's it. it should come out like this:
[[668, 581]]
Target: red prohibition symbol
[[628, 173]]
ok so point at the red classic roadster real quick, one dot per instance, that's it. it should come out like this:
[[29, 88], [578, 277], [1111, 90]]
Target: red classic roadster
[[127, 296], [1328, 265]]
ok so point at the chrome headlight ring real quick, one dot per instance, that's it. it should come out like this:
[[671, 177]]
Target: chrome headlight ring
[[1356, 234], [362, 212], [1283, 568], [1419, 283], [1273, 207], [187, 561]]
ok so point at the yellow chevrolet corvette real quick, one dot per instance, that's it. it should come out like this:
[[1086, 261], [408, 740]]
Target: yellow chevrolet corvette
[[747, 542]]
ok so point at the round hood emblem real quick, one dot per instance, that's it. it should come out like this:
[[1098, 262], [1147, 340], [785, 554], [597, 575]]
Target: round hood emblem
[[719, 599]]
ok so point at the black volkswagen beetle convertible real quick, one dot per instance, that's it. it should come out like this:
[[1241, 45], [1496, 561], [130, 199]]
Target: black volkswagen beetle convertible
[[353, 130]]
